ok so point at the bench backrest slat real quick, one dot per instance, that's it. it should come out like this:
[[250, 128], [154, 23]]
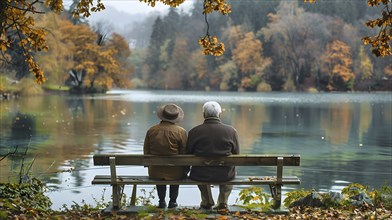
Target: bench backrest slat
[[191, 160]]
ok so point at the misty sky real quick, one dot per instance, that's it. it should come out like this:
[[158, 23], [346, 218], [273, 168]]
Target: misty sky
[[135, 6]]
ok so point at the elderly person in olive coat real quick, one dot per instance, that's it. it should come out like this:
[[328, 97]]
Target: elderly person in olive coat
[[167, 138], [213, 138]]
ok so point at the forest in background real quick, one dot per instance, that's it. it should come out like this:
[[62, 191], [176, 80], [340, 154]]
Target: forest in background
[[270, 46]]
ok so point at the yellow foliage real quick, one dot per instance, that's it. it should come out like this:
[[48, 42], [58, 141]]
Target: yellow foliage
[[216, 5], [337, 62], [381, 43], [85, 7], [54, 5], [19, 21], [248, 54], [366, 65], [211, 46]]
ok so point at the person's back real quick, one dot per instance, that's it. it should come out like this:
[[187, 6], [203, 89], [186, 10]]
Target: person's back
[[213, 138], [167, 138]]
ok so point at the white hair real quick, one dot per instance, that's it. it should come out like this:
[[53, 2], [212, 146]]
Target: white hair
[[211, 109]]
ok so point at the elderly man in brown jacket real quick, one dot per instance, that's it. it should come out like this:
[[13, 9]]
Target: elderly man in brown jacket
[[213, 138], [167, 138]]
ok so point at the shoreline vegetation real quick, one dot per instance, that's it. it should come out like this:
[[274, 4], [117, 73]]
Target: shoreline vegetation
[[27, 201], [27, 87]]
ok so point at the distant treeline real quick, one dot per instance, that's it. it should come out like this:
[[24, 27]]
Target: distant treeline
[[270, 45]]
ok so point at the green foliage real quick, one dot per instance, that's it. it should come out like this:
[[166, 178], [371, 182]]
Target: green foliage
[[330, 201], [383, 196], [4, 85], [254, 197], [101, 204], [263, 87], [295, 195], [379, 197], [57, 88], [25, 199], [354, 189], [29, 87], [145, 199], [255, 80]]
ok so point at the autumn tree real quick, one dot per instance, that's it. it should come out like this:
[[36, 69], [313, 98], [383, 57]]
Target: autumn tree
[[58, 60], [122, 53], [97, 64], [366, 66], [176, 74], [229, 73], [296, 42], [364, 71], [337, 64], [248, 55]]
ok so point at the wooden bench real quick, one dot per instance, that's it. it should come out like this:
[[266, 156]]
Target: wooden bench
[[119, 181]]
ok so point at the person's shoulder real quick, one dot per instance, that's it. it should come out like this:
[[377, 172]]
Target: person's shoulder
[[181, 128], [155, 127], [230, 127], [196, 128]]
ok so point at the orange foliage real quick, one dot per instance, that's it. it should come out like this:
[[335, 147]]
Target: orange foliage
[[337, 62]]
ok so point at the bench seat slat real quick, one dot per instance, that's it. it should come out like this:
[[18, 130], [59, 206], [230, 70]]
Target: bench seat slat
[[238, 180]]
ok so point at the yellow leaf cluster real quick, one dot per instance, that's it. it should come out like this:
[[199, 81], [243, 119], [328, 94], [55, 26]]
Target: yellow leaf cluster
[[19, 25], [377, 2], [85, 7], [54, 5], [381, 43], [4, 44], [310, 1], [35, 69], [211, 46], [216, 5]]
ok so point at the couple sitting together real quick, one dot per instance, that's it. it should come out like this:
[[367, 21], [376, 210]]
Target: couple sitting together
[[212, 138]]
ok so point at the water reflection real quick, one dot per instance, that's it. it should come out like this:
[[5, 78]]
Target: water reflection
[[341, 137]]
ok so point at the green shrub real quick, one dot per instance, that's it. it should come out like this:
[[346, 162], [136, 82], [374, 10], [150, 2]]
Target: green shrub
[[29, 87], [26, 199], [383, 196], [312, 90], [295, 195], [254, 198], [264, 87], [6, 86]]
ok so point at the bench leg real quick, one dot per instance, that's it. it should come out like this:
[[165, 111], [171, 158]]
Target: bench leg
[[276, 192], [117, 195], [133, 197]]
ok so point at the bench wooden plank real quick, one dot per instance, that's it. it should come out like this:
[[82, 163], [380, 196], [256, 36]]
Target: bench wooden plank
[[238, 180], [191, 160]]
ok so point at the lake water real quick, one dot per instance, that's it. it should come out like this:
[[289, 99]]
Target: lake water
[[341, 137]]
